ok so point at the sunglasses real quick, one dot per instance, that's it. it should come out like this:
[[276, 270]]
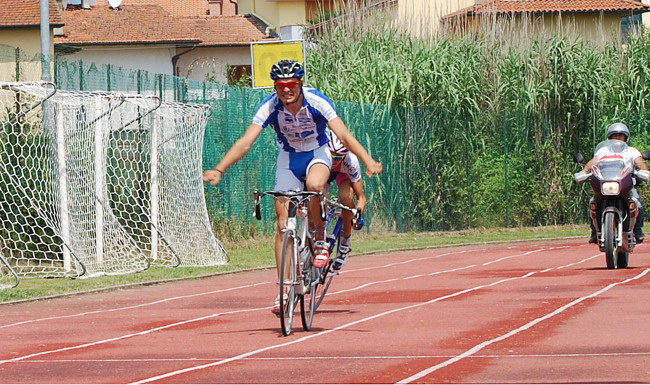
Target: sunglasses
[[287, 83], [337, 156]]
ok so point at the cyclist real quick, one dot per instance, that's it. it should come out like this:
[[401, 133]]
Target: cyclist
[[300, 117], [347, 174]]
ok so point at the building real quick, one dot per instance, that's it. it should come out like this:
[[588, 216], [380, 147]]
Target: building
[[596, 20], [20, 23], [199, 39]]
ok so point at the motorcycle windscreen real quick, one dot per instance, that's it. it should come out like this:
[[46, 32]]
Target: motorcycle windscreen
[[612, 169]]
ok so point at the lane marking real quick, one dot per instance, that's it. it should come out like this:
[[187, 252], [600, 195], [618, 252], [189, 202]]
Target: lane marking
[[208, 293], [144, 332], [511, 333], [132, 306], [246, 287], [347, 358], [341, 327]]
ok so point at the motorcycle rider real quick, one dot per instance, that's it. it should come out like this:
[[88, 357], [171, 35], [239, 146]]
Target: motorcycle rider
[[620, 132]]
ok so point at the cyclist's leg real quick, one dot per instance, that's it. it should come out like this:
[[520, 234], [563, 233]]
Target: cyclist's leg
[[346, 197], [318, 172], [285, 180], [316, 181], [282, 212]]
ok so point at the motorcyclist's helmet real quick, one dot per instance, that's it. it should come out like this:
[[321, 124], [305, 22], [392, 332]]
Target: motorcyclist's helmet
[[618, 128], [287, 69], [335, 145]]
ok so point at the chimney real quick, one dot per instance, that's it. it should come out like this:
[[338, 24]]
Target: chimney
[[85, 4], [215, 7]]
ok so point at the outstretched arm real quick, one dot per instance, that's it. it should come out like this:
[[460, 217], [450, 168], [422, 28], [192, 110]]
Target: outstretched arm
[[357, 187], [351, 143], [236, 152]]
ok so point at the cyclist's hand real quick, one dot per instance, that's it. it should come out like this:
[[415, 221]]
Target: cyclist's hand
[[212, 176], [357, 220], [374, 168]]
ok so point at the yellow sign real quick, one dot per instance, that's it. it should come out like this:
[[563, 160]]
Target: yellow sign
[[264, 55]]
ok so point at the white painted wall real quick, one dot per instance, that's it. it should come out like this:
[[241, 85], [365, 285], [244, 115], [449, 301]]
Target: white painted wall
[[152, 58], [29, 42], [199, 62]]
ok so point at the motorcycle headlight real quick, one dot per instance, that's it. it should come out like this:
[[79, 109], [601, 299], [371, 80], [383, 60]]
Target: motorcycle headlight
[[610, 188]]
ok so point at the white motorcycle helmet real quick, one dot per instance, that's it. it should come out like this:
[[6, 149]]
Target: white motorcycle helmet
[[618, 128]]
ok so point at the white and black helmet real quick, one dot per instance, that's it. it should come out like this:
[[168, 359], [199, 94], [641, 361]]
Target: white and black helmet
[[335, 145], [618, 128], [287, 69]]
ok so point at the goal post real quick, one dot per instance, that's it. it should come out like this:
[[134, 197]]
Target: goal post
[[113, 180]]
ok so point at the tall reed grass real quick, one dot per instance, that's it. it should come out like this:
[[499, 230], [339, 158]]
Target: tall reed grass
[[487, 121]]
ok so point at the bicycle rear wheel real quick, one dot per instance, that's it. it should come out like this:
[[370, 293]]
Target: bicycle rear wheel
[[287, 282]]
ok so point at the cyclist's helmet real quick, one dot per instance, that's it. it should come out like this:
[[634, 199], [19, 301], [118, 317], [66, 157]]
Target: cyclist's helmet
[[287, 69], [335, 145], [618, 128]]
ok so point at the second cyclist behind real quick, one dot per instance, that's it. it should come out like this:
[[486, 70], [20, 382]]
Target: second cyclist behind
[[346, 171]]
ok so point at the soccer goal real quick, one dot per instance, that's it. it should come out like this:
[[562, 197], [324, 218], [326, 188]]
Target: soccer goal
[[114, 180]]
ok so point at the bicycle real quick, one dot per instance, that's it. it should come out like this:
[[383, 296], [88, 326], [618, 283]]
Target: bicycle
[[327, 273], [302, 277]]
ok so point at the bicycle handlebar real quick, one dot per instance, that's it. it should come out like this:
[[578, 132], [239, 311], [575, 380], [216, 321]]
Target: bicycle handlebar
[[303, 195], [357, 220]]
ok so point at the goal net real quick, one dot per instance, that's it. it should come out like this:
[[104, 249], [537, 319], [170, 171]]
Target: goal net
[[113, 180]]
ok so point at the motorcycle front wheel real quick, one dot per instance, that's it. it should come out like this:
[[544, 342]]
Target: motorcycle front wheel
[[623, 259], [610, 226]]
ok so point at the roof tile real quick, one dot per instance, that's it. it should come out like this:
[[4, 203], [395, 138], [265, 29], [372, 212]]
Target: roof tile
[[225, 30], [552, 6], [129, 24], [152, 21], [27, 14]]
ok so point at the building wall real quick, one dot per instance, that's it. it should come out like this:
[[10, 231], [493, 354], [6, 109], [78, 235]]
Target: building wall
[[277, 13], [29, 42], [203, 61], [422, 17], [152, 58]]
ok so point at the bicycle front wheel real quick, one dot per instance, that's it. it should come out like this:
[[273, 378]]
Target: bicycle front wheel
[[326, 276], [312, 281], [288, 278], [327, 273]]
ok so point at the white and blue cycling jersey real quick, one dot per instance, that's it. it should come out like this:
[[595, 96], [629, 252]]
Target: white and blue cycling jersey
[[302, 139], [307, 130]]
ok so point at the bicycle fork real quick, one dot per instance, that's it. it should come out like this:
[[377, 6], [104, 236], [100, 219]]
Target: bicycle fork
[[300, 248]]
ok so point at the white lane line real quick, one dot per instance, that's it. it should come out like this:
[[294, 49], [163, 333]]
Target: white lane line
[[347, 358], [133, 306], [246, 287], [341, 327], [144, 332], [125, 336], [206, 293], [511, 333]]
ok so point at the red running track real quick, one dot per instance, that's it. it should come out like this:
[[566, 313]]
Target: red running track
[[526, 312]]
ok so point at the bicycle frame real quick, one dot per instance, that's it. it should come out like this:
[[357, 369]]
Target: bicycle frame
[[297, 275]]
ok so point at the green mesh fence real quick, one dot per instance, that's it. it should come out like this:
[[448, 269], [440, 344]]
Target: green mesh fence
[[443, 169]]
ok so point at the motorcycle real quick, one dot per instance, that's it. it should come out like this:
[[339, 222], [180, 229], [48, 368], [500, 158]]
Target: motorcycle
[[614, 209]]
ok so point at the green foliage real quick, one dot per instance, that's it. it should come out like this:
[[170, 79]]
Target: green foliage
[[504, 114]]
